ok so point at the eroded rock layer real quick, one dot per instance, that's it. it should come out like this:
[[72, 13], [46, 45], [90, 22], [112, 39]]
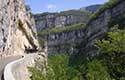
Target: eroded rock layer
[[17, 31], [98, 27], [51, 20]]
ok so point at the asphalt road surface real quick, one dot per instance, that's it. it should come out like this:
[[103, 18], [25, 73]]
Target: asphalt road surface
[[4, 62]]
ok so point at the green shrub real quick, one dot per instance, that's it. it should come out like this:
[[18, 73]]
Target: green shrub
[[106, 6], [36, 74], [97, 71], [58, 69], [113, 49], [114, 44], [41, 41], [59, 64]]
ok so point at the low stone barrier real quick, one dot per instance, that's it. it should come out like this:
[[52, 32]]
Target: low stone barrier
[[17, 70]]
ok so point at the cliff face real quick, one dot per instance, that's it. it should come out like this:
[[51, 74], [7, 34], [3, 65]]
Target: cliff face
[[96, 29], [65, 42], [51, 20], [17, 32], [62, 42], [92, 8], [102, 23]]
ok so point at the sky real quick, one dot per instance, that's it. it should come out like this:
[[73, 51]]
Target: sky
[[40, 6]]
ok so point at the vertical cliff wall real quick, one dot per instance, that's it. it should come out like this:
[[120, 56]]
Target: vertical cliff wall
[[17, 32], [63, 39], [65, 42], [100, 25], [60, 41], [51, 20], [97, 28]]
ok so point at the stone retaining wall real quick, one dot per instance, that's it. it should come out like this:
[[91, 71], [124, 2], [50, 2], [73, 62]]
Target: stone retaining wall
[[17, 70]]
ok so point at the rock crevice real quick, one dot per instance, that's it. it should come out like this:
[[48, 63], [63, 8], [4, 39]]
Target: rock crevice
[[17, 28]]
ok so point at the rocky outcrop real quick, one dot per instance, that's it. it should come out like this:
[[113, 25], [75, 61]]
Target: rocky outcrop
[[51, 20], [18, 36], [17, 30], [62, 42], [64, 18], [65, 42], [102, 23], [92, 8]]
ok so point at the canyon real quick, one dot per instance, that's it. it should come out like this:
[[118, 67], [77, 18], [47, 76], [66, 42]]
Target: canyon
[[68, 41], [35, 36], [95, 46], [64, 41]]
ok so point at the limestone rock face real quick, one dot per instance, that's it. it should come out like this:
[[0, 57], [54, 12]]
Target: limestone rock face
[[91, 8], [17, 30], [98, 27], [50, 20], [65, 42]]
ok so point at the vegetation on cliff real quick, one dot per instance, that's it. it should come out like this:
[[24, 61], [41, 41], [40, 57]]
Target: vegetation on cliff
[[113, 51], [109, 5], [79, 26], [58, 69], [108, 65], [78, 13]]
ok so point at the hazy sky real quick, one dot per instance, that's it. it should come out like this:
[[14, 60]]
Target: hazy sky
[[39, 6]]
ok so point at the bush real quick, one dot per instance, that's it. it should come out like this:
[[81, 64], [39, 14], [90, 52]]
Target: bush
[[41, 41], [38, 75], [58, 70], [113, 49], [106, 6], [97, 71]]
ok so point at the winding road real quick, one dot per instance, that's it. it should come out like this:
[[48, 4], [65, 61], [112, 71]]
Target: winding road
[[5, 61]]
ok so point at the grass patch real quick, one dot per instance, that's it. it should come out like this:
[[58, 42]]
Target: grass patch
[[79, 26], [106, 6]]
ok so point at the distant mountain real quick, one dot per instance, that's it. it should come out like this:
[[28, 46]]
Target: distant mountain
[[60, 19], [64, 18], [92, 8]]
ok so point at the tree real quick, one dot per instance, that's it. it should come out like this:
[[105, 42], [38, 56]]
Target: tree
[[113, 49], [97, 71]]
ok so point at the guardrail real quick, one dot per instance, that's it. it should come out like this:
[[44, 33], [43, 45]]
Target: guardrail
[[8, 75], [17, 70]]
